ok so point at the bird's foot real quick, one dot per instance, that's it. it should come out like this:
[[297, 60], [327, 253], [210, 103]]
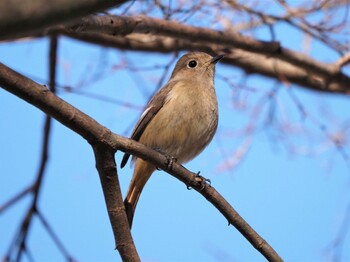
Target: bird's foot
[[202, 181], [170, 160]]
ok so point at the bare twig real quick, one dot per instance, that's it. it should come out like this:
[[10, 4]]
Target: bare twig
[[291, 15], [16, 198], [19, 245], [55, 238], [337, 246]]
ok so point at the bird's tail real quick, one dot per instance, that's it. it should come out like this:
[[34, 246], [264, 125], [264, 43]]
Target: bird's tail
[[142, 172]]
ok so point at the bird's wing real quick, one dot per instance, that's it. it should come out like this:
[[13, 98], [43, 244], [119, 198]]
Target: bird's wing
[[153, 107]]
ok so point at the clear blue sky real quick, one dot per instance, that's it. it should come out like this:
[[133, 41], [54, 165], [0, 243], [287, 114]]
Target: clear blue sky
[[296, 201]]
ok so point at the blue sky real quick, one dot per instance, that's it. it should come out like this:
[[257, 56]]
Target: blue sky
[[296, 201]]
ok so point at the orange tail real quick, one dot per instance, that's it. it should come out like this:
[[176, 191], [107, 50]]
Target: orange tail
[[142, 172]]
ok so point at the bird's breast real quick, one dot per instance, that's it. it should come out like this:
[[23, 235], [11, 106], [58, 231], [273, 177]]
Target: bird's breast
[[186, 123]]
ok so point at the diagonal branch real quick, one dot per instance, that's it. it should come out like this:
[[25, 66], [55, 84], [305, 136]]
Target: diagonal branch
[[125, 25], [105, 143], [54, 237], [270, 67], [89, 129], [16, 198]]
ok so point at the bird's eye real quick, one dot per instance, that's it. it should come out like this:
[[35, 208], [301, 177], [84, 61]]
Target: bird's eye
[[192, 63]]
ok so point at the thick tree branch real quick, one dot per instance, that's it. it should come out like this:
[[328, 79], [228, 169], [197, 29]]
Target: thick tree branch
[[269, 66], [19, 18], [124, 25], [104, 141], [150, 34]]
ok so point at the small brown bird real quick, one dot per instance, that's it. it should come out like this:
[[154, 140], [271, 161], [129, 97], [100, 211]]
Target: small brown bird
[[180, 120]]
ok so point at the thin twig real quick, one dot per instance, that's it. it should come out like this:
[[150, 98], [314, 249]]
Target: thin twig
[[16, 198], [19, 245], [54, 237]]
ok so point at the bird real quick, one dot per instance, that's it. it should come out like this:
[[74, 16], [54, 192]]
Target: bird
[[179, 121]]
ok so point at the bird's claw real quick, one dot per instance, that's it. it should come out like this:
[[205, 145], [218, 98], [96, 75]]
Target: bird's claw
[[170, 160], [202, 181]]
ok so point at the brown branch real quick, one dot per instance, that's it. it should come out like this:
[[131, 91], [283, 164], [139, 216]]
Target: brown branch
[[19, 18], [52, 105], [343, 61], [270, 66], [105, 142], [124, 25], [278, 63], [105, 164]]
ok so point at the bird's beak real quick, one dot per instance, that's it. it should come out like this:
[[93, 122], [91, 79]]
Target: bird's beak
[[216, 59]]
